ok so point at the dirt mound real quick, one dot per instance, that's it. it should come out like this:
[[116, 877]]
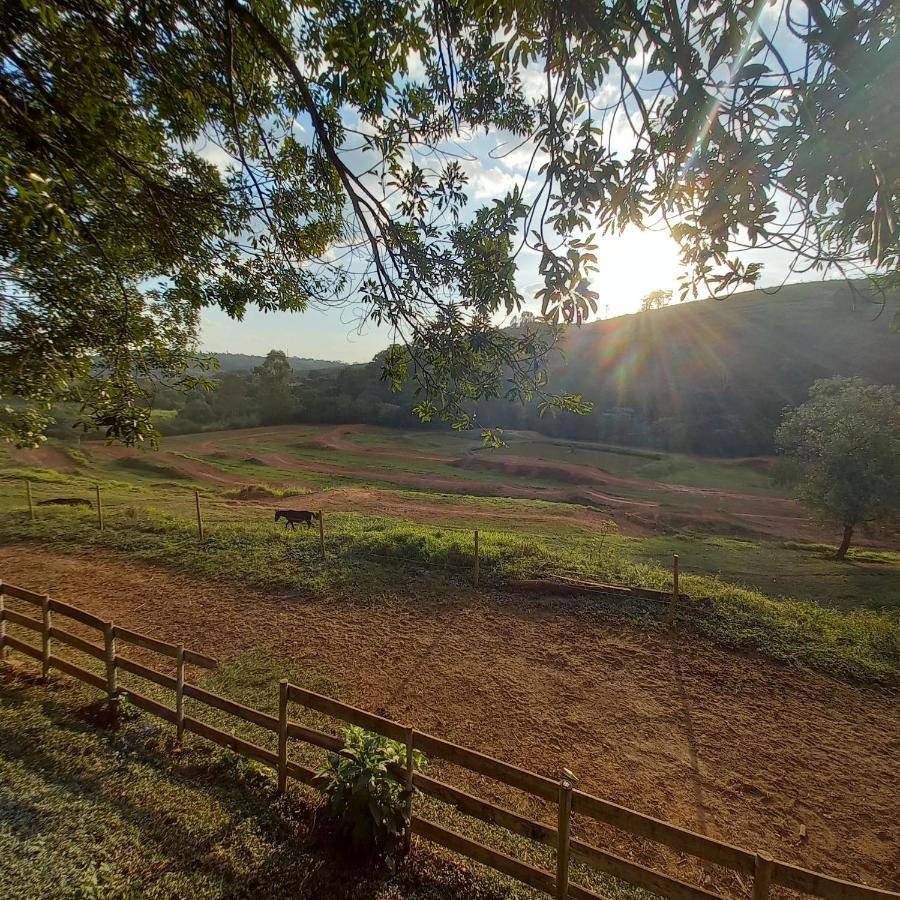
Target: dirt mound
[[44, 458], [251, 492], [525, 468]]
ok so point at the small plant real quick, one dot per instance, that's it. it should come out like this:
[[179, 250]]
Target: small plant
[[609, 527], [366, 805]]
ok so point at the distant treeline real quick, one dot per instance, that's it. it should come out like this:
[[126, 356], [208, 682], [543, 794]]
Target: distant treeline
[[707, 377], [245, 362]]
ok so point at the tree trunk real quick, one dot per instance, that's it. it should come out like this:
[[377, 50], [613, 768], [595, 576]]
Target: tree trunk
[[845, 542]]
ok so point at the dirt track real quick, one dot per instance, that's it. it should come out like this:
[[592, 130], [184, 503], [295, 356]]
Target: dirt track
[[734, 747], [640, 507]]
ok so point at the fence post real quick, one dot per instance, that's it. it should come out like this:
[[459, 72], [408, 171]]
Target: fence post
[[410, 771], [30, 501], [99, 507], [45, 636], [322, 533], [109, 640], [2, 627], [179, 693], [670, 615], [477, 558], [566, 782], [199, 516], [282, 734], [762, 877]]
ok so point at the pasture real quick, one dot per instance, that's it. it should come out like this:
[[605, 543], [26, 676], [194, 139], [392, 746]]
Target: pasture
[[726, 519], [665, 722]]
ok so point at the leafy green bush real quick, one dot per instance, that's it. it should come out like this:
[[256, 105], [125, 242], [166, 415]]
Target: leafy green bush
[[365, 803]]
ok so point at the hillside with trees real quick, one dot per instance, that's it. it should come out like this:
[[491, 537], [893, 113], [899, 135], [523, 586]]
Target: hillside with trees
[[713, 377], [245, 362], [710, 377]]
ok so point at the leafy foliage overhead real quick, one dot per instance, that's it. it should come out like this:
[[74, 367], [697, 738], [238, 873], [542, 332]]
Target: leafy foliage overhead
[[336, 127]]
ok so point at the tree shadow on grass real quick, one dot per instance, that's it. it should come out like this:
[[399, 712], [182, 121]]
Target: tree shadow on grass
[[205, 817]]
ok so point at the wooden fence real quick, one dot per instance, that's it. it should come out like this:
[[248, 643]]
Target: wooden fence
[[763, 871]]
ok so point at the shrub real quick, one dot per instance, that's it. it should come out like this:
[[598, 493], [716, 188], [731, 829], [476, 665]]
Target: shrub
[[365, 803]]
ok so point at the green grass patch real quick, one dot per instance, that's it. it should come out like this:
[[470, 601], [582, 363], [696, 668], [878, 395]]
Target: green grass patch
[[867, 578], [115, 813], [366, 553], [144, 466], [32, 473], [77, 456], [262, 492]]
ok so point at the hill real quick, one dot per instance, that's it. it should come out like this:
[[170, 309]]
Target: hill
[[709, 377], [714, 376]]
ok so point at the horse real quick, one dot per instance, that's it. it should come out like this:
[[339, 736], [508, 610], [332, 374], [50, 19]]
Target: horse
[[293, 516]]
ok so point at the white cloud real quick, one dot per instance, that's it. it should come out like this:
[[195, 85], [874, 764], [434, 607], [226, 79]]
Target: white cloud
[[215, 155], [414, 64], [519, 159], [488, 182]]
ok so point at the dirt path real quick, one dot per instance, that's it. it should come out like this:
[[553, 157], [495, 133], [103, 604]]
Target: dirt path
[[734, 747], [778, 518]]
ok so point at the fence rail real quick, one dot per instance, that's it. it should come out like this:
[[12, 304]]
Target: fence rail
[[765, 872]]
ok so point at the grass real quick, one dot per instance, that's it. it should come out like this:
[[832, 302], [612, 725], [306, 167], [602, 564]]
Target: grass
[[115, 813], [120, 812], [366, 553], [866, 579], [774, 591]]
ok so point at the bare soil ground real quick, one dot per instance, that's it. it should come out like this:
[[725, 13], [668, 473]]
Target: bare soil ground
[[735, 747], [641, 507]]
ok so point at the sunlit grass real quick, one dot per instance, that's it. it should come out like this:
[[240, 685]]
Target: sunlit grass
[[368, 553]]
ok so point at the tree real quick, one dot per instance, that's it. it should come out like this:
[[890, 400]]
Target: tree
[[843, 451], [655, 300], [336, 176], [273, 382]]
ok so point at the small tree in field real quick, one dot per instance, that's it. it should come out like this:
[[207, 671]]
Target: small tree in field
[[655, 300], [843, 452]]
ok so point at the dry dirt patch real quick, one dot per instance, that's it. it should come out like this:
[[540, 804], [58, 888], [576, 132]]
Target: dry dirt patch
[[732, 746]]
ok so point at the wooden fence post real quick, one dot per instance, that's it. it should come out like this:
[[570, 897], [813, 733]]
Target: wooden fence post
[[45, 637], [322, 533], [566, 783], [99, 507], [410, 771], [179, 693], [30, 501], [109, 640], [673, 603], [199, 515], [762, 877], [282, 734], [477, 559]]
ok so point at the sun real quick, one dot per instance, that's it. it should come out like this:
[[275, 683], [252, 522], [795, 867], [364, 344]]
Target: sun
[[630, 266]]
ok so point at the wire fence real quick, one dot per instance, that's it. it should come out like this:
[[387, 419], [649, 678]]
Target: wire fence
[[461, 553]]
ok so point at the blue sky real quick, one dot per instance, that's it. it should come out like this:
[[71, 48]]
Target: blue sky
[[631, 265]]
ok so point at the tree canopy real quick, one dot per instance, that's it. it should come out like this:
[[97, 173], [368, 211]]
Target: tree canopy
[[843, 446], [655, 300], [339, 180]]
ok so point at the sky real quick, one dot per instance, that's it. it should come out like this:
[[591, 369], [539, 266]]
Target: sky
[[630, 265]]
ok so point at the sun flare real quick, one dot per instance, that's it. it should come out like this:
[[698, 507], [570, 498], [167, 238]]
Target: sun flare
[[630, 266]]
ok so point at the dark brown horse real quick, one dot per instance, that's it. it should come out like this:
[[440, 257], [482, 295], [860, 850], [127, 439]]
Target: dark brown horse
[[293, 516]]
